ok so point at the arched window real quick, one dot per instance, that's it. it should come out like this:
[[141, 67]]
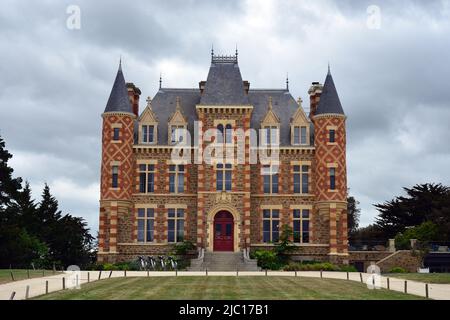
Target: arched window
[[219, 138], [228, 134]]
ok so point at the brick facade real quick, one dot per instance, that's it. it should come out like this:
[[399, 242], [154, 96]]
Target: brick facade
[[200, 200]]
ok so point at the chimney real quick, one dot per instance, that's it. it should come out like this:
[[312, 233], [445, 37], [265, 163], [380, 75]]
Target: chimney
[[314, 96], [134, 93], [246, 86], [201, 86]]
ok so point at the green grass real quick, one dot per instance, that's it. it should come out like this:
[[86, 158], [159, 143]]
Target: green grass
[[422, 277], [21, 274], [239, 288]]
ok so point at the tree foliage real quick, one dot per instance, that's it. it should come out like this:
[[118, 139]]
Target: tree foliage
[[37, 233]]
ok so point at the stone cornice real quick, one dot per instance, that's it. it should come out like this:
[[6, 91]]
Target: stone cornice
[[224, 109], [330, 115], [118, 113]]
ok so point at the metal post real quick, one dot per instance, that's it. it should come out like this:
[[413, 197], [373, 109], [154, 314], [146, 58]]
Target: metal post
[[206, 271], [406, 286], [148, 273], [388, 284], [360, 276], [295, 272], [12, 276], [321, 275], [237, 272], [426, 291], [110, 274], [373, 280], [266, 272], [89, 280], [348, 276], [99, 274], [64, 283], [176, 272], [27, 292], [46, 287], [125, 272], [13, 294]]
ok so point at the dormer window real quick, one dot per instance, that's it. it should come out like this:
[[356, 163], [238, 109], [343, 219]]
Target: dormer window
[[300, 127], [178, 134], [300, 133], [148, 125], [148, 133], [271, 135]]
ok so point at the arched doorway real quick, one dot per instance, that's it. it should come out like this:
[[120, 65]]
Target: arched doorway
[[223, 231]]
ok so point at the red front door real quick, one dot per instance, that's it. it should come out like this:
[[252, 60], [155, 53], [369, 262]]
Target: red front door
[[223, 231]]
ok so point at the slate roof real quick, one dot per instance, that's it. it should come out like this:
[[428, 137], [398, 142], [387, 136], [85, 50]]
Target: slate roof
[[164, 105], [283, 104], [224, 85], [329, 100], [118, 99]]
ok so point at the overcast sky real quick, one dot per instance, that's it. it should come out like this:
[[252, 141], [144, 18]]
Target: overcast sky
[[392, 75]]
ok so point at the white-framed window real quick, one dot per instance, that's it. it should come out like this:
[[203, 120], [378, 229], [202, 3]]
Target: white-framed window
[[147, 178], [145, 225], [177, 134], [175, 225], [300, 135], [271, 225], [270, 178], [301, 179], [176, 178], [300, 221], [148, 134], [223, 176], [271, 135]]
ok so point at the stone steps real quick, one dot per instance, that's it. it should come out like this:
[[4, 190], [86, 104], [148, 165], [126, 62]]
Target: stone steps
[[224, 261]]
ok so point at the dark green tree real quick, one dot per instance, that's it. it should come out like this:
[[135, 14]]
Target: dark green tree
[[353, 214], [423, 202]]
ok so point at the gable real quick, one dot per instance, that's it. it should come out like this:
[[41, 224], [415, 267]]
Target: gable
[[148, 116]]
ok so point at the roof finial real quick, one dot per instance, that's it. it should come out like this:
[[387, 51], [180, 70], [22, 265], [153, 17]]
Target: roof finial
[[236, 51], [212, 51], [270, 102], [178, 106], [160, 80], [287, 81], [120, 62], [299, 102], [149, 102], [329, 69]]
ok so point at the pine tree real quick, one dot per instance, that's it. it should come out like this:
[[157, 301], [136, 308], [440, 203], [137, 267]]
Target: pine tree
[[9, 186]]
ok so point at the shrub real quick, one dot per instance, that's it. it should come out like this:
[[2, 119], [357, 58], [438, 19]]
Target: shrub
[[182, 248], [109, 267], [267, 260], [398, 270], [348, 269], [324, 266]]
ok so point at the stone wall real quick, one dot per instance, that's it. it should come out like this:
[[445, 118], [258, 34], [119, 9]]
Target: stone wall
[[403, 258]]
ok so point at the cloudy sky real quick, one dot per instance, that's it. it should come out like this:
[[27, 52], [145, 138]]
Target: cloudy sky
[[391, 71]]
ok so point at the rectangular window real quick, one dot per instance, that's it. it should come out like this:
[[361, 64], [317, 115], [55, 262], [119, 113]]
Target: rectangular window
[[300, 222], [296, 135], [270, 179], [303, 135], [146, 178], [116, 134], [271, 225], [332, 178], [148, 134], [175, 225], [332, 135], [176, 178], [301, 179], [270, 135], [146, 225], [115, 177], [177, 134], [223, 177]]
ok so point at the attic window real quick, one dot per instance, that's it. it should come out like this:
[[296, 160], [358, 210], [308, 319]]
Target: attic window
[[300, 133]]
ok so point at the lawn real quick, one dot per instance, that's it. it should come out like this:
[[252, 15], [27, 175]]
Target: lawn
[[21, 274], [422, 277], [238, 288]]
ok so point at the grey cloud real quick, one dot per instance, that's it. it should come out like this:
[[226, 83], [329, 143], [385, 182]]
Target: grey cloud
[[393, 82]]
